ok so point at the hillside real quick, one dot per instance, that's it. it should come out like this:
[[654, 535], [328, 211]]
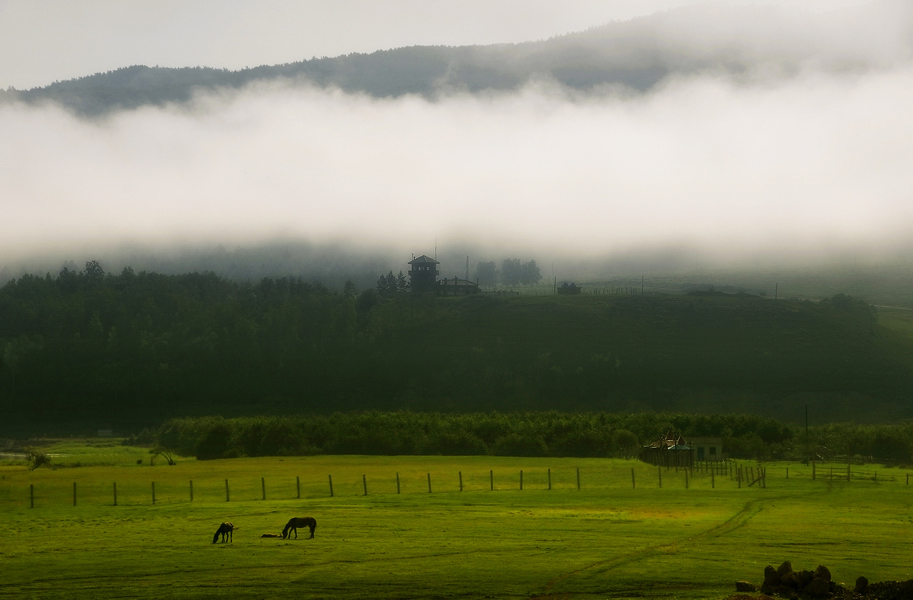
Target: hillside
[[94, 351], [633, 56]]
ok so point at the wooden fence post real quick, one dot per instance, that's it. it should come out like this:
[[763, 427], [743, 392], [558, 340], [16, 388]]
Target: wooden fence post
[[115, 493], [461, 481], [686, 479], [298, 485], [549, 479], [331, 485], [191, 490], [74, 493], [397, 483], [429, 483], [263, 486], [521, 479], [32, 493], [712, 480], [633, 484], [364, 484], [153, 492], [578, 478], [227, 496], [491, 476]]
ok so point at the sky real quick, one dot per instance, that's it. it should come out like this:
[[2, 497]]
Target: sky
[[814, 161]]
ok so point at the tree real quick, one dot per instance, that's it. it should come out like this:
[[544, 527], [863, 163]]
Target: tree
[[529, 273], [391, 283], [511, 271], [93, 270], [401, 284], [487, 274], [164, 453], [38, 459], [625, 443]]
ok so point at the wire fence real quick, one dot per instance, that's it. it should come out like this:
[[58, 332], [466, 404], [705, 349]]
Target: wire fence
[[166, 487]]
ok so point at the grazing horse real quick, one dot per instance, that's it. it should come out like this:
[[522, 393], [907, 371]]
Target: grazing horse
[[225, 530], [297, 522]]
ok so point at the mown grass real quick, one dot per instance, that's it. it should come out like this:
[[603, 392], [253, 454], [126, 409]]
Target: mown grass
[[607, 539]]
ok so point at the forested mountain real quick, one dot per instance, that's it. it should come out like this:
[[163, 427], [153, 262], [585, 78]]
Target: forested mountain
[[632, 56], [89, 349]]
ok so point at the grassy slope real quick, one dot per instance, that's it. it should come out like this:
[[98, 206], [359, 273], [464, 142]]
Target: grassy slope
[[606, 539]]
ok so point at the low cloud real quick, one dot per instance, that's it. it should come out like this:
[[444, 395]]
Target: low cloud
[[817, 159]]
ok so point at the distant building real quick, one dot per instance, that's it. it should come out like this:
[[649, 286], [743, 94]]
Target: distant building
[[707, 449], [423, 274], [456, 287], [569, 289], [670, 450]]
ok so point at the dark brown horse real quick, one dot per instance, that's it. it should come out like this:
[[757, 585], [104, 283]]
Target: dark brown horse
[[297, 522], [225, 530]]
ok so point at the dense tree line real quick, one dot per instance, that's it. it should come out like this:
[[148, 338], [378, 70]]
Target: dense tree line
[[85, 345], [513, 272], [88, 349], [547, 433]]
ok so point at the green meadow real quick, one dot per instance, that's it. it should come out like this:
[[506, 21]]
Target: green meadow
[[577, 528]]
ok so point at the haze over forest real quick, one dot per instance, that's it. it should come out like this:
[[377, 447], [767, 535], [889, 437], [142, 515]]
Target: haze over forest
[[715, 134]]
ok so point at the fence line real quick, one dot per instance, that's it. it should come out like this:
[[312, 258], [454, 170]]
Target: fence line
[[703, 475]]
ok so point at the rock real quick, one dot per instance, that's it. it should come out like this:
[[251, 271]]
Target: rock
[[804, 578], [771, 577], [745, 586], [817, 588], [861, 585], [790, 580], [785, 568], [822, 572]]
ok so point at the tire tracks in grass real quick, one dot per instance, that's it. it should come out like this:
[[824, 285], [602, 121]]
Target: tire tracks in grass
[[741, 518]]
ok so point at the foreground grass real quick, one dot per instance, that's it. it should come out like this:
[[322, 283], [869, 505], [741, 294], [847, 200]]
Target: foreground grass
[[607, 539]]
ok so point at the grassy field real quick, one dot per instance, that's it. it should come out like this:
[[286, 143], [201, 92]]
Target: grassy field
[[609, 538]]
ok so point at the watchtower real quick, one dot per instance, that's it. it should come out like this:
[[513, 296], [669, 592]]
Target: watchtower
[[423, 274]]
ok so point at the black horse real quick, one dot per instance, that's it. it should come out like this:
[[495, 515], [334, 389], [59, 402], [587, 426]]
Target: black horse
[[225, 530], [297, 522]]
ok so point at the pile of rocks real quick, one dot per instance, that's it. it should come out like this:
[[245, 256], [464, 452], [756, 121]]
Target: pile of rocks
[[786, 583]]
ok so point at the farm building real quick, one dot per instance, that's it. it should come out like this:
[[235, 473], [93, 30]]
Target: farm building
[[456, 287], [569, 289], [670, 450], [423, 278], [423, 274], [707, 449]]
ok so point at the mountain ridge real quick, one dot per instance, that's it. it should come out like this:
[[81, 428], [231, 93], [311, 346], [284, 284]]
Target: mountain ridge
[[632, 56]]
